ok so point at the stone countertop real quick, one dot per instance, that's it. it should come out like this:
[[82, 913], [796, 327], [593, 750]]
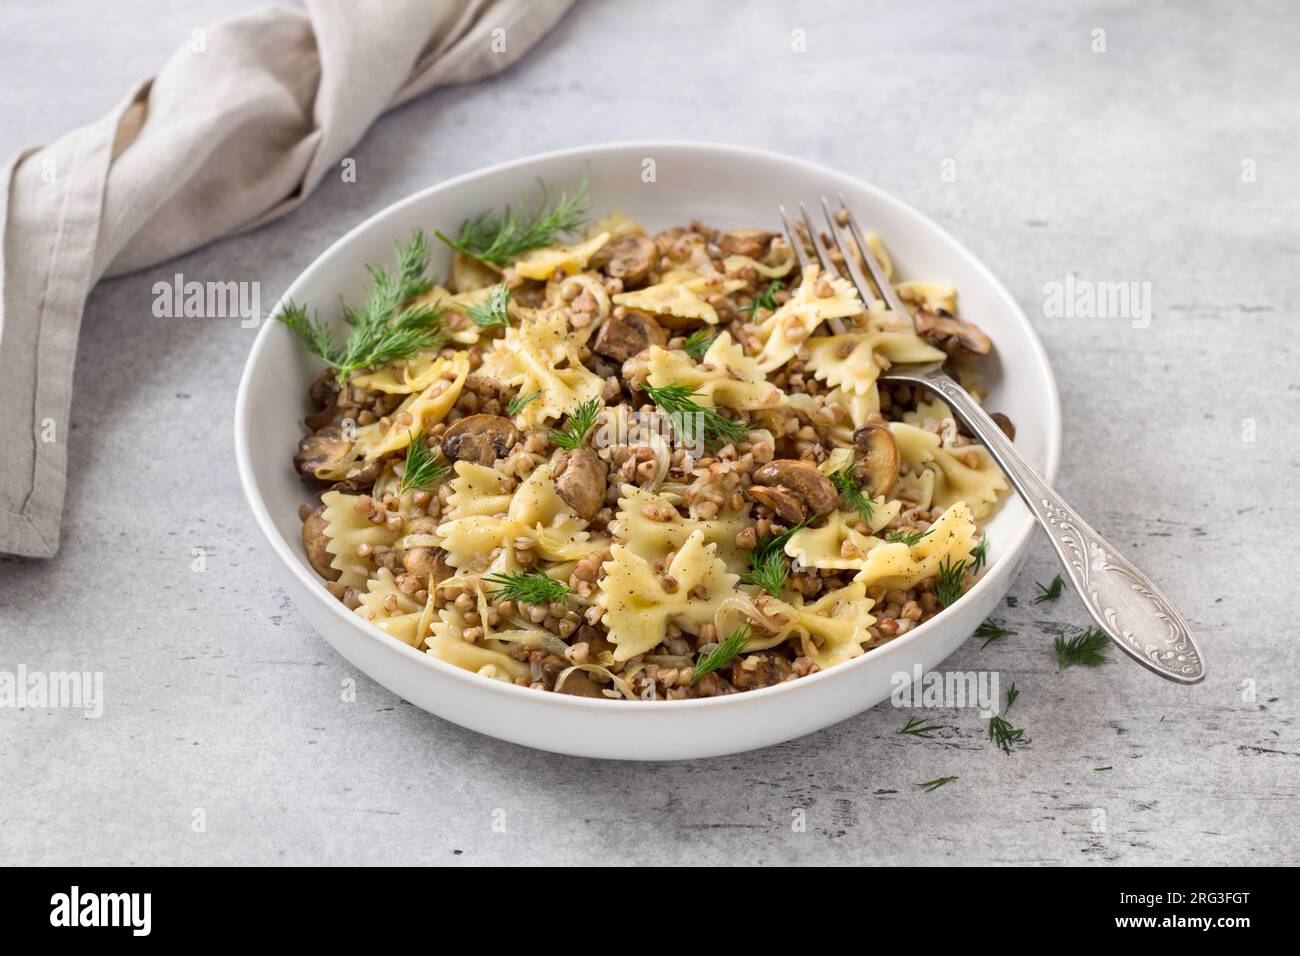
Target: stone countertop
[[1162, 159]]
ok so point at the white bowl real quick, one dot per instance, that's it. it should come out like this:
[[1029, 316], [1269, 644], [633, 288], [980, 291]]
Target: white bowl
[[724, 186]]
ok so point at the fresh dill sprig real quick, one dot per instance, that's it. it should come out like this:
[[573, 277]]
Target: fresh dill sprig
[[520, 402], [952, 576], [413, 267], [1051, 592], [580, 421], [918, 727], [492, 311], [388, 290], [767, 300], [697, 343], [499, 239], [991, 631], [910, 539], [932, 785], [769, 572], [423, 470], [690, 417], [1085, 648], [777, 542], [415, 329], [769, 568], [979, 555], [526, 587], [315, 335], [852, 492], [724, 653], [384, 329], [1001, 732]]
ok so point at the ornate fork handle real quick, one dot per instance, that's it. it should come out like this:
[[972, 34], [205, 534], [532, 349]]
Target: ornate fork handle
[[1121, 599]]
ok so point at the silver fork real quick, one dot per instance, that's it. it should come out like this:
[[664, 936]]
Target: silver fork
[[1126, 605]]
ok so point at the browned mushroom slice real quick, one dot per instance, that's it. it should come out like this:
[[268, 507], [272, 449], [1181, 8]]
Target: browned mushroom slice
[[745, 242], [324, 395], [783, 502], [629, 258], [579, 684], [324, 389], [359, 477], [795, 490], [597, 641], [679, 323], [580, 481], [876, 468], [480, 439], [752, 671], [999, 419], [324, 416], [314, 542], [325, 448], [623, 336], [957, 337], [1007, 426], [428, 564]]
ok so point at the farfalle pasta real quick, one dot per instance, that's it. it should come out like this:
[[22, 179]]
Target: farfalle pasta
[[393, 611], [817, 299], [641, 605], [542, 357], [639, 466], [725, 376]]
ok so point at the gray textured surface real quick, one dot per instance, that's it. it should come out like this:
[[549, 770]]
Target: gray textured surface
[[1122, 165]]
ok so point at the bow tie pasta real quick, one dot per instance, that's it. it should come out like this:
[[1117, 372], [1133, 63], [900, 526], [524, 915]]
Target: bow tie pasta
[[637, 465]]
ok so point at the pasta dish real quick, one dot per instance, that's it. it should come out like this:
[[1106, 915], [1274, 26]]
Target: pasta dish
[[596, 461]]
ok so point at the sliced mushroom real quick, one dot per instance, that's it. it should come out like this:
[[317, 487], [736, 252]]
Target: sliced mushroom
[[428, 564], [580, 684], [314, 542], [795, 490], [324, 389], [324, 448], [629, 258], [783, 502], [679, 323], [876, 467], [1002, 421], [623, 336], [752, 671], [481, 439], [1007, 426], [324, 395], [359, 477], [745, 242], [961, 339], [580, 481], [324, 416], [597, 641]]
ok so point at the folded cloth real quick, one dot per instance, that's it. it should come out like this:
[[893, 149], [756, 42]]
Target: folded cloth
[[236, 130]]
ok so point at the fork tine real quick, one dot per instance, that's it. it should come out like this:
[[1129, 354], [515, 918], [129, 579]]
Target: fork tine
[[877, 270], [823, 257], [800, 253], [823, 254], [850, 261]]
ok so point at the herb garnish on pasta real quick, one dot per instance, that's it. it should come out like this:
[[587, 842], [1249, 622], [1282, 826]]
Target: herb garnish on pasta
[[650, 465]]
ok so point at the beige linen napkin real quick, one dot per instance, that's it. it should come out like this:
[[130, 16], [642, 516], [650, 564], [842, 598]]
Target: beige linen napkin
[[236, 130]]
